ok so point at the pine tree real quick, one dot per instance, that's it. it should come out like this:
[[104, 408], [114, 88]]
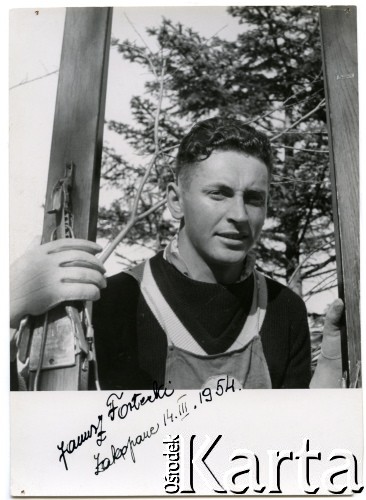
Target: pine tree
[[271, 77]]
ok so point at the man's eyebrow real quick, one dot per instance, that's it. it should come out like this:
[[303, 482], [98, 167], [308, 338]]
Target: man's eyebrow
[[255, 191], [227, 187], [217, 185]]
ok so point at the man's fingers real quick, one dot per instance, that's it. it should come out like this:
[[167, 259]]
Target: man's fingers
[[333, 317], [335, 311], [97, 266], [80, 291], [83, 276], [71, 292], [72, 244], [55, 272], [78, 258]]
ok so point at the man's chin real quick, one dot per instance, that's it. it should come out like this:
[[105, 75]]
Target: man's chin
[[229, 258]]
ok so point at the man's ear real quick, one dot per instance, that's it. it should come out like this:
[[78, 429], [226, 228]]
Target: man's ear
[[174, 199]]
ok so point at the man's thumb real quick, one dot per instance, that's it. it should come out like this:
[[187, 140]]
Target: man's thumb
[[333, 317]]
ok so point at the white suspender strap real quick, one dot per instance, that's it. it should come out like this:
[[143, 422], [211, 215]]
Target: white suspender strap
[[176, 332]]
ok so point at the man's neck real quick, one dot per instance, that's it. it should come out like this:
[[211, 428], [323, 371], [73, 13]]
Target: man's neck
[[200, 270]]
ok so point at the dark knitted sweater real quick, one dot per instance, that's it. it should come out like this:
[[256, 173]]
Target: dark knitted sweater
[[131, 346]]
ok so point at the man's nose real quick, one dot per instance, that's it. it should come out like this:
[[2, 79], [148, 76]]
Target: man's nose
[[238, 211]]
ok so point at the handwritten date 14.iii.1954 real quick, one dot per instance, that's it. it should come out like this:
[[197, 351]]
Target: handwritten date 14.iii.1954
[[122, 405], [216, 387]]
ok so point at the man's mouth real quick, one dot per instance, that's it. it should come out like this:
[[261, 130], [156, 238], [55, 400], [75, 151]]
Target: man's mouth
[[234, 236]]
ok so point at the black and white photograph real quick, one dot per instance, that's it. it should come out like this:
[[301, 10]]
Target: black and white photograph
[[184, 225]]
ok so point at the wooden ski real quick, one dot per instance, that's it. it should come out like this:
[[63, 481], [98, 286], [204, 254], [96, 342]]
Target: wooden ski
[[59, 358], [339, 46]]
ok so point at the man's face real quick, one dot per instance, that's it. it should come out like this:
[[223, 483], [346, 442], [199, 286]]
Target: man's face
[[224, 207]]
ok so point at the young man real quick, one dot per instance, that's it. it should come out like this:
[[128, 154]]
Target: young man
[[199, 310]]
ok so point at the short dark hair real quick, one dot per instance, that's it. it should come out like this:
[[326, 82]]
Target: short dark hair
[[221, 134]]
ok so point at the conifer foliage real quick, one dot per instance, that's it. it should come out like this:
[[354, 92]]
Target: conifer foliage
[[271, 77]]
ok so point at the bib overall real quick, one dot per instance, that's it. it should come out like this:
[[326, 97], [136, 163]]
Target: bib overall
[[188, 366]]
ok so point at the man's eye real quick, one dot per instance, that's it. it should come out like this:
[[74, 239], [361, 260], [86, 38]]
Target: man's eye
[[217, 195], [255, 200]]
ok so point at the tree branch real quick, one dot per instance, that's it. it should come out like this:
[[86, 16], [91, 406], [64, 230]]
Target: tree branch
[[25, 82], [311, 291], [283, 106], [303, 262], [148, 48], [317, 107], [303, 149], [108, 250], [318, 266], [310, 211]]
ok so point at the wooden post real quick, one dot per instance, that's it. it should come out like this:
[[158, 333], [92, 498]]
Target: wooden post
[[77, 139], [79, 115], [339, 48]]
